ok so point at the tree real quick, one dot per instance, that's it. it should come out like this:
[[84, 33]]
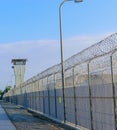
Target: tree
[[7, 88], [1, 94], [0, 91]]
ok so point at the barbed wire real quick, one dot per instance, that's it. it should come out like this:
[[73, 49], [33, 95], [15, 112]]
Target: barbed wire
[[99, 49]]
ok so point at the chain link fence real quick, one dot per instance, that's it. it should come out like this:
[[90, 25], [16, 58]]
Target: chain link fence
[[90, 89]]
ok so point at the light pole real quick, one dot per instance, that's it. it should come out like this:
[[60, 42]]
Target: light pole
[[62, 57], [10, 81]]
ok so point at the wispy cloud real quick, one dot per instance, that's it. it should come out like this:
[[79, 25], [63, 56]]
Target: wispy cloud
[[41, 54], [76, 44]]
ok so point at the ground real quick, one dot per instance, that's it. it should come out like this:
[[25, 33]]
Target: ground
[[23, 120]]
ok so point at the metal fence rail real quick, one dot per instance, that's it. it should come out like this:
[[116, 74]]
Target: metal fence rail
[[90, 89]]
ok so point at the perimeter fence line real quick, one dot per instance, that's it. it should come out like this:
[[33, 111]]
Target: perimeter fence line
[[90, 89]]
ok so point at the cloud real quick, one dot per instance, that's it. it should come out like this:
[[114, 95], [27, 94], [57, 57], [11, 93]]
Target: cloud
[[76, 44], [41, 54]]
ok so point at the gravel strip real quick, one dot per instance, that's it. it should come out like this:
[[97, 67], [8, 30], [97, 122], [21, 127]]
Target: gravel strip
[[23, 120]]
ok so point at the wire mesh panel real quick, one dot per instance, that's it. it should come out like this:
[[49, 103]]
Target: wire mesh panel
[[114, 67], [69, 96], [82, 95], [41, 94], [114, 79], [46, 96], [90, 88], [30, 96], [38, 95], [59, 96], [52, 95], [102, 93]]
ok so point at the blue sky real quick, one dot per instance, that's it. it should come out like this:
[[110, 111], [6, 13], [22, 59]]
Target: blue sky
[[38, 19], [30, 29]]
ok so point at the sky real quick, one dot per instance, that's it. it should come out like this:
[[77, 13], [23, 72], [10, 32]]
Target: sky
[[30, 29]]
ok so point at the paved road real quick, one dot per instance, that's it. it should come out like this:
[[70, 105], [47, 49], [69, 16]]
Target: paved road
[[5, 123], [24, 120]]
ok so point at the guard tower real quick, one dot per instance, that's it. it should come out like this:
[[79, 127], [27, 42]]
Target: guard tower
[[19, 70]]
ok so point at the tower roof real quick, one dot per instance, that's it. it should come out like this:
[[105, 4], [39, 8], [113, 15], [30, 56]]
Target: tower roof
[[16, 61]]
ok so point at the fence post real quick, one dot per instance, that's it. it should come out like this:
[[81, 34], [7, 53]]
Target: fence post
[[31, 95], [113, 90], [43, 99], [38, 95], [48, 96], [55, 96], [33, 100], [75, 106], [90, 96], [34, 86]]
